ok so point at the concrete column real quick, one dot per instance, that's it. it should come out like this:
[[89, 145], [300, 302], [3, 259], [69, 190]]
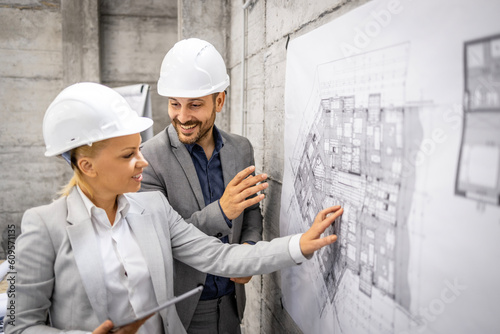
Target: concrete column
[[80, 35], [207, 20]]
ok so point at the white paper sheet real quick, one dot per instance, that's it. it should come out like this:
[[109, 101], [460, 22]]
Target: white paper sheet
[[378, 112]]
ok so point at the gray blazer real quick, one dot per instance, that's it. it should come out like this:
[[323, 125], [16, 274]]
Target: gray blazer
[[60, 272], [172, 172]]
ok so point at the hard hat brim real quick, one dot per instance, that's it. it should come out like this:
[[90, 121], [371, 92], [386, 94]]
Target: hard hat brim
[[165, 89]]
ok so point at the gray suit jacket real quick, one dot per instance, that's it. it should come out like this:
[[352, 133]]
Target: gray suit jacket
[[172, 172], [60, 272]]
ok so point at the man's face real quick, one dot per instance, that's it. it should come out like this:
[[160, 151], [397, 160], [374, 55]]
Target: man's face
[[193, 118]]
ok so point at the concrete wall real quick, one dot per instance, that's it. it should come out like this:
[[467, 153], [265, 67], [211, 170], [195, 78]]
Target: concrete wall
[[50, 44], [260, 114], [135, 36], [31, 73], [207, 20]]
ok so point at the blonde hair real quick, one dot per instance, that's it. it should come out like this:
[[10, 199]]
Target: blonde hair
[[77, 179]]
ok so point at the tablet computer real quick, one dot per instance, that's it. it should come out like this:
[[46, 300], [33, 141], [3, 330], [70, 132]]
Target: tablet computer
[[169, 302]]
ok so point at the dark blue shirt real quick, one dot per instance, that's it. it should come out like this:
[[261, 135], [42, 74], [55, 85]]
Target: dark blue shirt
[[212, 184]]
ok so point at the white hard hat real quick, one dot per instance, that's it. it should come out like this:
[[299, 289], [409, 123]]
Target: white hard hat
[[85, 113], [192, 68]]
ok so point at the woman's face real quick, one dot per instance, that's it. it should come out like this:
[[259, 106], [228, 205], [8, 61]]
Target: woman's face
[[117, 168]]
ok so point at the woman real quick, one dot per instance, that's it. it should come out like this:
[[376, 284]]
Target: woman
[[102, 252]]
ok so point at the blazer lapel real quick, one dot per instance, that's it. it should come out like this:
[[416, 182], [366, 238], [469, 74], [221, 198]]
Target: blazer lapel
[[182, 155], [86, 252], [147, 238]]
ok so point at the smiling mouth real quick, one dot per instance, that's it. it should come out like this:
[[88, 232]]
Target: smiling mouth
[[187, 127], [137, 177]]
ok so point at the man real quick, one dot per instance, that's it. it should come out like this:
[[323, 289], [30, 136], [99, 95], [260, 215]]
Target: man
[[195, 165]]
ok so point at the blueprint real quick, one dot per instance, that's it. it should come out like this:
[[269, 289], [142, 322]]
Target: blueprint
[[399, 123]]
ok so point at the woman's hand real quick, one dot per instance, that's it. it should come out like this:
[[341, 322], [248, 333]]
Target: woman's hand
[[104, 328], [132, 328], [311, 241]]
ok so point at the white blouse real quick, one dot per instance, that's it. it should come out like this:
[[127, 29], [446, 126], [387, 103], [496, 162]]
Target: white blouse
[[128, 282]]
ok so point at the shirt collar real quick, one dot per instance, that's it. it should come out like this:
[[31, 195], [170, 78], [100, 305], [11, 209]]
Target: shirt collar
[[123, 203], [217, 138]]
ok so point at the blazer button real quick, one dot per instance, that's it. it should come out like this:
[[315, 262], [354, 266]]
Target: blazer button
[[219, 235]]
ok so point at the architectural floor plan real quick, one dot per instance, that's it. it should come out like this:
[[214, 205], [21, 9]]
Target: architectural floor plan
[[355, 153], [478, 174]]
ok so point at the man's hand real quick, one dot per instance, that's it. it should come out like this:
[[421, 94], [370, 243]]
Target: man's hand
[[311, 241], [242, 186], [241, 280]]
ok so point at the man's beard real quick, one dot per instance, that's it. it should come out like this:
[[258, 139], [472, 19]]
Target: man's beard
[[195, 137]]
